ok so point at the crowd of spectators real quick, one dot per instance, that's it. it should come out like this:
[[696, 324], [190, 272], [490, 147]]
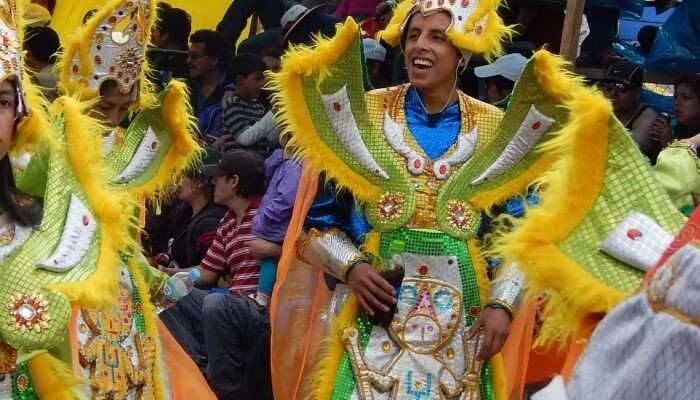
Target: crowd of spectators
[[229, 218]]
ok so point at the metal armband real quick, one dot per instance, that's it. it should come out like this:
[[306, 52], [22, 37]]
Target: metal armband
[[332, 250], [507, 289]]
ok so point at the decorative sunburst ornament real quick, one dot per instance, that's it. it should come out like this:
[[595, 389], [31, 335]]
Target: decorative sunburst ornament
[[28, 312]]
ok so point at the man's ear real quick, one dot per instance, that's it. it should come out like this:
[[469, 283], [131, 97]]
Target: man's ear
[[234, 182]]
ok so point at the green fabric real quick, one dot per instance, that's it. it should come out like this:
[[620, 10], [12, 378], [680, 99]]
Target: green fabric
[[676, 170], [346, 73], [32, 180], [22, 386], [428, 243], [24, 278], [628, 185], [459, 186], [151, 118]]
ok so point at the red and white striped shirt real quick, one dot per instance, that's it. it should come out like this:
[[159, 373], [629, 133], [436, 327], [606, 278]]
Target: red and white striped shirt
[[230, 250]]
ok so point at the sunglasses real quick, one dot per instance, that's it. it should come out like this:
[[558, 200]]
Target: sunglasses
[[614, 86]]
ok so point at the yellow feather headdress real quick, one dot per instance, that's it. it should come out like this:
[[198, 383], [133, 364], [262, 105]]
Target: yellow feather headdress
[[476, 26], [111, 46]]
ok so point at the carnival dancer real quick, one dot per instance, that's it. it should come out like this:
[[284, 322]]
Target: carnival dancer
[[430, 168], [116, 345]]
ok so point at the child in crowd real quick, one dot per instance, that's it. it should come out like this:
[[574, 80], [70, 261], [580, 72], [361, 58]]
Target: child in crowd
[[271, 222], [241, 105]]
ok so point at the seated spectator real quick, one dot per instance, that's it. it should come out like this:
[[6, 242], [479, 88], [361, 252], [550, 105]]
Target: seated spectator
[[41, 44], [501, 76], [229, 322], [623, 86], [375, 55], [193, 237], [170, 34], [243, 108], [207, 62], [270, 224], [677, 165]]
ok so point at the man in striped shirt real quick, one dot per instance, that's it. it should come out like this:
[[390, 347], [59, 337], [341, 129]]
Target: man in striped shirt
[[226, 320]]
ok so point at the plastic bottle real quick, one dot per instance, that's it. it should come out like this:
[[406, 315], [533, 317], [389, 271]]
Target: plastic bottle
[[180, 285]]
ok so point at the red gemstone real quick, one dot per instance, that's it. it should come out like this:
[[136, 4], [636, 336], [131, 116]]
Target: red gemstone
[[474, 312], [479, 29], [417, 164], [465, 3], [337, 107], [443, 169], [112, 19], [86, 220], [154, 145], [75, 69], [98, 60], [423, 269], [536, 125], [634, 234]]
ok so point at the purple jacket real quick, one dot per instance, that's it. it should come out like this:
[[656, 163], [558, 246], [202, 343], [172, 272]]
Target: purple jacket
[[275, 211]]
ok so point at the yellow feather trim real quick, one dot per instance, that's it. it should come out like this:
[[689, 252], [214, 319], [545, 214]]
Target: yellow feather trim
[[489, 41], [518, 185], [572, 187], [151, 325], [51, 378], [296, 120], [392, 33], [111, 207], [555, 78], [322, 380], [80, 43], [184, 152]]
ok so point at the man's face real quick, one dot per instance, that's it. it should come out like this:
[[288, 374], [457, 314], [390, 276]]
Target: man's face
[[113, 106], [431, 60], [249, 86], [198, 62], [225, 188], [8, 113], [159, 38], [624, 97]]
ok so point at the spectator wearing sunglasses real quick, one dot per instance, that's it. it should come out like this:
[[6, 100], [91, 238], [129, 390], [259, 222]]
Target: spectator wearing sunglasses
[[623, 86]]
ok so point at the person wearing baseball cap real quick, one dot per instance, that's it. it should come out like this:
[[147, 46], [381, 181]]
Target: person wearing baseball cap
[[375, 55], [239, 181], [622, 84], [501, 76]]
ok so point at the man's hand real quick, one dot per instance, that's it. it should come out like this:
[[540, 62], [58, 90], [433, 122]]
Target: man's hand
[[660, 130], [373, 292], [496, 324], [261, 248]]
